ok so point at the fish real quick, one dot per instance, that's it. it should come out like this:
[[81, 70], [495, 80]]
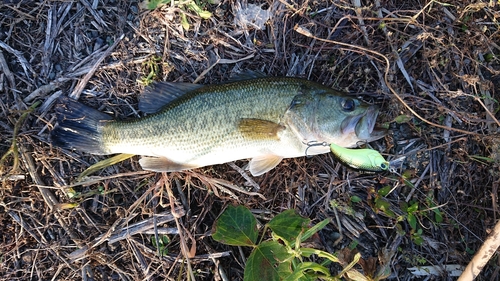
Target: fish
[[187, 126], [360, 159]]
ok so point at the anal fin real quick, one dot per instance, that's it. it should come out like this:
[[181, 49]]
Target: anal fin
[[162, 164], [262, 164]]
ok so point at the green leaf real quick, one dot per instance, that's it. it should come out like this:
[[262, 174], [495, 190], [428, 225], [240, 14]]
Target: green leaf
[[236, 226], [153, 4], [384, 206], [480, 158], [307, 252], [200, 12], [268, 261], [438, 216], [162, 245], [300, 270], [384, 190], [413, 208], [355, 199], [288, 225], [104, 164], [184, 22], [404, 206], [402, 119], [417, 238], [412, 220], [310, 232]]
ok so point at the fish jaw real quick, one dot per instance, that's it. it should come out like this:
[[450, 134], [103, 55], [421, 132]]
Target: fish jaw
[[361, 128]]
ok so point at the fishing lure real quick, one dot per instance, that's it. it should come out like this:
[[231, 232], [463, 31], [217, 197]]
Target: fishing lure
[[361, 159]]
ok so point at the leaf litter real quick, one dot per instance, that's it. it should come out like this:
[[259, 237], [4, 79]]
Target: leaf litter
[[443, 64]]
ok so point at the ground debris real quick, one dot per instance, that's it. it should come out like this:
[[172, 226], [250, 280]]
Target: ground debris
[[429, 216]]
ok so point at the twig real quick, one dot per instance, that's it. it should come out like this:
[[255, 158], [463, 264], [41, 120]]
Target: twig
[[362, 50], [244, 175], [357, 10], [79, 88], [482, 256], [187, 253], [119, 233], [48, 197], [94, 14], [19, 55], [41, 91], [5, 68]]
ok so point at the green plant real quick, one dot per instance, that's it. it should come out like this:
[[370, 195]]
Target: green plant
[[151, 68], [282, 257], [161, 245], [13, 149], [188, 5], [411, 212]]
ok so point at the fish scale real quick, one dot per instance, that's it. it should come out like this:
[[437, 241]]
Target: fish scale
[[205, 122]]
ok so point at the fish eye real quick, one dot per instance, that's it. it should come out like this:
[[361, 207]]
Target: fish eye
[[383, 166], [348, 105]]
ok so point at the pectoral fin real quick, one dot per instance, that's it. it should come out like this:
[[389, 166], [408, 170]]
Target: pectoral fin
[[253, 128], [161, 164], [262, 164]]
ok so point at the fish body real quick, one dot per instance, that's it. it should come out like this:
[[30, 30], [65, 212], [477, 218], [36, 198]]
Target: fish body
[[361, 159], [265, 119]]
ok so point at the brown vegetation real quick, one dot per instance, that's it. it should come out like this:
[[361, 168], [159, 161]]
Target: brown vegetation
[[443, 66]]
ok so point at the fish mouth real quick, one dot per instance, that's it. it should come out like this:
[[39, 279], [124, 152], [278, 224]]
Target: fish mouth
[[364, 125]]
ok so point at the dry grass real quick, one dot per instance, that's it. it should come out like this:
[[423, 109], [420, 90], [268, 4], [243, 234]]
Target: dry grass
[[448, 73]]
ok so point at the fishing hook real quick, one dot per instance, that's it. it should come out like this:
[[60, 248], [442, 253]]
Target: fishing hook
[[314, 143]]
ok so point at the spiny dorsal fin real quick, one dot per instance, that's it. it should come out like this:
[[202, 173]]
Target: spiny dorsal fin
[[247, 75], [262, 164], [162, 93], [253, 128]]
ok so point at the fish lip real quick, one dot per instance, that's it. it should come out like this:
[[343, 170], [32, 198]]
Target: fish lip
[[365, 127]]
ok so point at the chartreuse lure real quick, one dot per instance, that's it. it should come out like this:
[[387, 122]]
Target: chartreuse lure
[[361, 159]]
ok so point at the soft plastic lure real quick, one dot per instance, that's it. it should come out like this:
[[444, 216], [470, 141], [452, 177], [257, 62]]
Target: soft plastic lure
[[361, 159]]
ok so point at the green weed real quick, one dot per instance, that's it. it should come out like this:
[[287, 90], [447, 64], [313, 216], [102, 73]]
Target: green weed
[[282, 257]]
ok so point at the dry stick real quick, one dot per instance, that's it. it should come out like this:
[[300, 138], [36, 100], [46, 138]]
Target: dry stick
[[244, 175], [184, 248], [5, 68], [79, 88], [117, 234], [484, 254], [19, 55], [48, 197], [114, 235], [357, 9], [362, 50]]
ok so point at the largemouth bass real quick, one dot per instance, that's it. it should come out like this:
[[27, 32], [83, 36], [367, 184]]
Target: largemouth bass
[[264, 119]]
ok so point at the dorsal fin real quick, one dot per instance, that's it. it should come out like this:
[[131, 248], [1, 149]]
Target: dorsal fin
[[247, 75], [162, 93]]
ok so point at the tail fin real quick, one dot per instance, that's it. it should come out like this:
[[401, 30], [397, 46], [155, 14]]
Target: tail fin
[[79, 127]]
